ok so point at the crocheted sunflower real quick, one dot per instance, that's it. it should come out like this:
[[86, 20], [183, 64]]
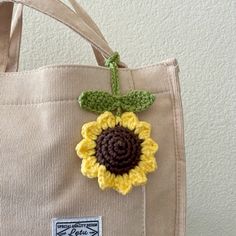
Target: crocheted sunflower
[[117, 149]]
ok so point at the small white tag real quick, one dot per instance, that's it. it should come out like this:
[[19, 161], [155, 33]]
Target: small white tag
[[90, 226]]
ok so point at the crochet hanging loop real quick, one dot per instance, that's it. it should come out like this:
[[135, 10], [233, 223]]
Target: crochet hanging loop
[[112, 63], [115, 58]]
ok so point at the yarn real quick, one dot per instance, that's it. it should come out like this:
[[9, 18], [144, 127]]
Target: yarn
[[98, 101], [118, 149], [101, 101], [112, 63]]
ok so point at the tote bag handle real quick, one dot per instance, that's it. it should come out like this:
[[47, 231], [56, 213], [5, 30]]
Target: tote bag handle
[[15, 40], [5, 26], [16, 32], [59, 11]]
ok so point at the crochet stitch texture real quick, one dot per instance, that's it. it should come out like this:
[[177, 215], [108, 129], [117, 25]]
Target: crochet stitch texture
[[117, 149]]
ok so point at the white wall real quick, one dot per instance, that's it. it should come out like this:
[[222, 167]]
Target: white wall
[[201, 35]]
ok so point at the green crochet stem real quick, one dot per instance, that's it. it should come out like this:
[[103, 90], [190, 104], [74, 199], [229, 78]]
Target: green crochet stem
[[101, 101], [112, 63]]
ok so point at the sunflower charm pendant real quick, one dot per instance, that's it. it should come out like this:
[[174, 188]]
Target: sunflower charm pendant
[[117, 149]]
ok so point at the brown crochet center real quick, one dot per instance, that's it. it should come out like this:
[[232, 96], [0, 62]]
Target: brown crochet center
[[118, 149]]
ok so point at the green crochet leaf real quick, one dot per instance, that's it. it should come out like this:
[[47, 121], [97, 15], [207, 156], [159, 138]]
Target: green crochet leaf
[[98, 101], [137, 101]]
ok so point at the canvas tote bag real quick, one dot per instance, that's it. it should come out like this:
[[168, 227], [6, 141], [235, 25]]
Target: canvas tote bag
[[44, 184]]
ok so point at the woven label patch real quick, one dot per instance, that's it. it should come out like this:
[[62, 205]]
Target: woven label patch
[[90, 226]]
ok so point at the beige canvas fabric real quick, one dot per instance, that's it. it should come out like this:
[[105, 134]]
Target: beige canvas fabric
[[40, 124]]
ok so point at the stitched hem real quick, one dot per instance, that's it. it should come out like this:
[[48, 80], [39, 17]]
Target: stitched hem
[[132, 86], [180, 224], [41, 102]]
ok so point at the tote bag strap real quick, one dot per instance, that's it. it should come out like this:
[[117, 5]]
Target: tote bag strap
[[15, 40], [16, 31], [59, 11], [89, 21], [5, 26]]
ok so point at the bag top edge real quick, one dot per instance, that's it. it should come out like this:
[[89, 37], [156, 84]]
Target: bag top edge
[[167, 62]]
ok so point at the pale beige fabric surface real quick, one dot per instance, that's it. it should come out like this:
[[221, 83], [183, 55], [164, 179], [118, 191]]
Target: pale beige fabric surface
[[40, 123]]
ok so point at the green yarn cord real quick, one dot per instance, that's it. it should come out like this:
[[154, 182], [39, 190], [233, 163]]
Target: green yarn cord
[[112, 64]]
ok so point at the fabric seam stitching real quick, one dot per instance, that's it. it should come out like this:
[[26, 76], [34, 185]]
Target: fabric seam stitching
[[132, 85], [176, 152], [58, 101]]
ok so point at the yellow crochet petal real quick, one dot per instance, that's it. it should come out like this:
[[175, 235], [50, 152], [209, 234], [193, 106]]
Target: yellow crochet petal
[[149, 147], [91, 130], [129, 120], [105, 178], [118, 120], [89, 167], [143, 129], [123, 184], [85, 148], [106, 119], [148, 164], [137, 176]]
